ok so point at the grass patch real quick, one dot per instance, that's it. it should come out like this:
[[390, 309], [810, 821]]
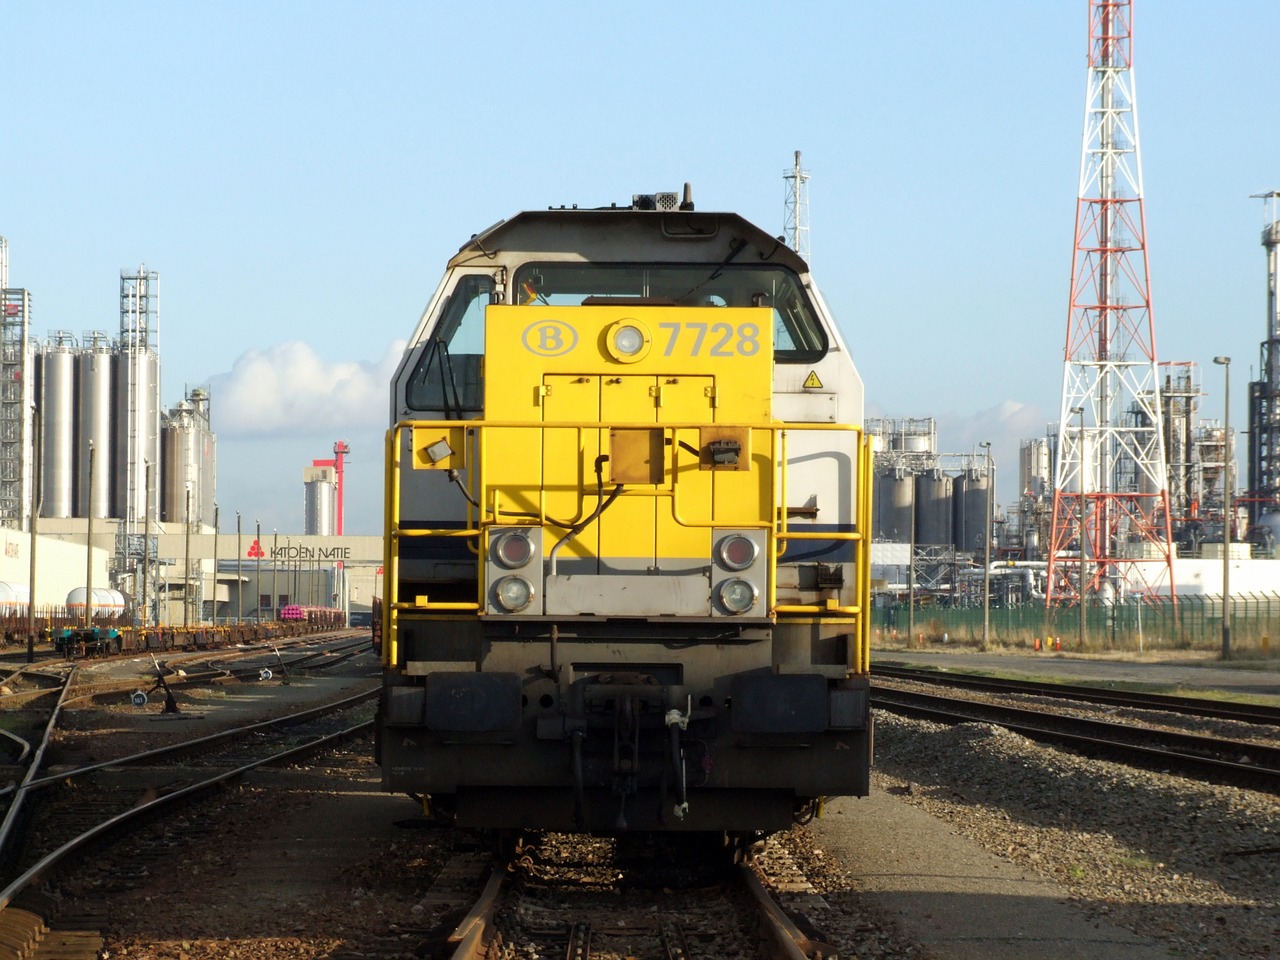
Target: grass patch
[[1137, 862]]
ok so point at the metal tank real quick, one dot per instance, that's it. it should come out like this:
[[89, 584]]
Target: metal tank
[[1267, 528], [57, 429], [187, 446], [137, 428], [178, 471], [894, 495], [1034, 467], [106, 602], [14, 598], [94, 408], [969, 497], [319, 499], [205, 453], [933, 508], [1031, 544]]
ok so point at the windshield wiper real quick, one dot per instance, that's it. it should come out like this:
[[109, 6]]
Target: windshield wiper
[[734, 249]]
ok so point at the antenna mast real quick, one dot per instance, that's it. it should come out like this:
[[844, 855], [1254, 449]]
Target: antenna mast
[[1111, 532], [797, 209]]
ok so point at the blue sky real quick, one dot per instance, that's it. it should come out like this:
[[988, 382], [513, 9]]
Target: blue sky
[[299, 172]]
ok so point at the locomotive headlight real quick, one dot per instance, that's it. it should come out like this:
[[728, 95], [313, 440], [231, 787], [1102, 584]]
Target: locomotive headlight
[[738, 595], [513, 593], [513, 549], [737, 552], [627, 341]]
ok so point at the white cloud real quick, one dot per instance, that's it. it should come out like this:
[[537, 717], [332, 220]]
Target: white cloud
[[1005, 425], [288, 389]]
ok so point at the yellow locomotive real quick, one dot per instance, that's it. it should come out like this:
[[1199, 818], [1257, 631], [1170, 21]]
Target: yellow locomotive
[[628, 508]]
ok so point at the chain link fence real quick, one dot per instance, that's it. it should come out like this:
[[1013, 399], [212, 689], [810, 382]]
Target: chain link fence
[[1195, 623]]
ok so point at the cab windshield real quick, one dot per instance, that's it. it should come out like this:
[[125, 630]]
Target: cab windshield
[[447, 376], [797, 335]]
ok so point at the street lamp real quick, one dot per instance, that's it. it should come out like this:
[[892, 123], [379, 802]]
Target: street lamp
[[1079, 411], [36, 507], [275, 566], [88, 550], [986, 550], [239, 574], [146, 547], [186, 567], [214, 606], [1228, 492], [911, 577], [257, 577]]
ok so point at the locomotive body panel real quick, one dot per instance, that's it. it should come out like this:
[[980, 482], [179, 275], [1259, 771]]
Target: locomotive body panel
[[628, 496]]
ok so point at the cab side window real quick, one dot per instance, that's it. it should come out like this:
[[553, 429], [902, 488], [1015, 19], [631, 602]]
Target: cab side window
[[446, 379]]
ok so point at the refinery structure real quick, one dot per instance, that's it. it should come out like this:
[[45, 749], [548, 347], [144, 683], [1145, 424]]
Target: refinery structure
[[1131, 495], [107, 494], [1264, 393]]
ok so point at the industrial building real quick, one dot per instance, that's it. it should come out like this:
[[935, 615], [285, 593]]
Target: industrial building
[[1130, 494], [102, 488]]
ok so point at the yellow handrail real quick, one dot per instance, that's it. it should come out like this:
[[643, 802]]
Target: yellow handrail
[[490, 512]]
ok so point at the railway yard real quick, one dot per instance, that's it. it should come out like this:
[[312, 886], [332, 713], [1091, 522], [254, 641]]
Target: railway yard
[[978, 841]]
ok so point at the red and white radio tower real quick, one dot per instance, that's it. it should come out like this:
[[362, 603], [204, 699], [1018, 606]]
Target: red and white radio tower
[[1111, 531]]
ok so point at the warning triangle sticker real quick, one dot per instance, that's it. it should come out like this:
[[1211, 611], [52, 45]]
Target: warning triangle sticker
[[812, 380]]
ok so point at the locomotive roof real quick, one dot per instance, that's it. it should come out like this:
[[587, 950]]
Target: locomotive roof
[[621, 234]]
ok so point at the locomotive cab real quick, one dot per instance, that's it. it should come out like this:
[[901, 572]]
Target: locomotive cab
[[627, 501]]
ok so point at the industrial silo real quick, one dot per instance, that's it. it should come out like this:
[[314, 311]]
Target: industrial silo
[[137, 428], [970, 497], [319, 500], [894, 493], [57, 427], [188, 462], [933, 508], [178, 473], [1034, 467], [205, 451], [93, 374]]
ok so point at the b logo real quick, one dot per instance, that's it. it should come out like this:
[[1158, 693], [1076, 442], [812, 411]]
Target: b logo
[[550, 338]]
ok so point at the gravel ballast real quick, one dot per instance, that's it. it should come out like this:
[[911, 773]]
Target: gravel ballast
[[1193, 865]]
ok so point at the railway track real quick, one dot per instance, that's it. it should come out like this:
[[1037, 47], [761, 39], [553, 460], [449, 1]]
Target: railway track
[[1252, 763], [84, 806], [574, 897], [1192, 706]]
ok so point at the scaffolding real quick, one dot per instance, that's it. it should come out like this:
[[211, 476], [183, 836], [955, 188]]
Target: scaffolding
[[1179, 398], [15, 406]]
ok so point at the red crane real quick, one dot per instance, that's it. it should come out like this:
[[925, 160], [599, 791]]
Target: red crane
[[340, 451]]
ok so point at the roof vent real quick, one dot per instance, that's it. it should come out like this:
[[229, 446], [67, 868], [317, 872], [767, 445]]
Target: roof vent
[[662, 202]]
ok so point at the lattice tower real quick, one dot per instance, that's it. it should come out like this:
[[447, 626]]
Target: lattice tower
[[1111, 532], [797, 208], [138, 398]]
